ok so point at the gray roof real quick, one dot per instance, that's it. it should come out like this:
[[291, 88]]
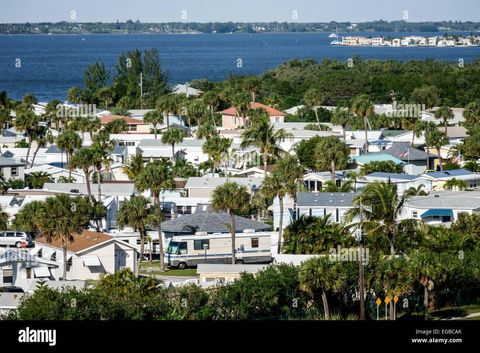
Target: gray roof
[[325, 199], [9, 162], [393, 176], [119, 149], [159, 143], [405, 152], [462, 201], [53, 149], [210, 222], [212, 183], [108, 189]]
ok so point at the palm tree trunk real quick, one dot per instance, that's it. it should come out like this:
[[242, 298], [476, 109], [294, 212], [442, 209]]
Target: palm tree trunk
[[173, 152], [28, 150], [155, 131], [142, 248], [64, 247], [361, 282], [425, 296], [99, 184], [34, 155], [280, 225], [265, 162], [333, 172], [89, 189], [326, 308], [68, 166], [440, 159], [213, 118], [316, 115], [365, 122], [232, 232], [156, 201], [446, 127], [391, 313]]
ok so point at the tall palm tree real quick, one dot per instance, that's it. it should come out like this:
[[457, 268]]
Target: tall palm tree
[[134, 166], [445, 113], [196, 110], [313, 98], [5, 118], [157, 177], [166, 106], [206, 131], [252, 84], [173, 136], [342, 117], [101, 148], [26, 217], [83, 159], [241, 102], [52, 113], [436, 138], [179, 103], [321, 274], [154, 118], [61, 217], [424, 128], [263, 135], [379, 208], [217, 149], [363, 107], [42, 136], [137, 213], [210, 99], [69, 141], [232, 198], [283, 181], [27, 121], [331, 153]]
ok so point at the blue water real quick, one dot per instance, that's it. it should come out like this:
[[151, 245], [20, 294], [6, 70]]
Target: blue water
[[51, 64]]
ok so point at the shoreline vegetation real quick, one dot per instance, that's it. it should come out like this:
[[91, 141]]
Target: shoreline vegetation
[[137, 27]]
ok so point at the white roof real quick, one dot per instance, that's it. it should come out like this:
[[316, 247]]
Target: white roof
[[41, 272], [189, 91], [212, 183]]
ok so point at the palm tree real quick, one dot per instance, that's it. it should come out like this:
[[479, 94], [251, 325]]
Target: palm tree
[[252, 84], [417, 191], [330, 186], [42, 136], [61, 217], [262, 135], [436, 138], [283, 181], [472, 115], [179, 102], [314, 98], [379, 208], [101, 148], [331, 153], [446, 114], [172, 136], [69, 141], [342, 117], [5, 118], [321, 274], [232, 198], [363, 107], [455, 184], [83, 159], [241, 102], [206, 131], [27, 217], [134, 166], [27, 121], [136, 213], [166, 106], [196, 109], [425, 127], [154, 118], [36, 180], [157, 177], [3, 219], [210, 99], [217, 148], [52, 114], [74, 95]]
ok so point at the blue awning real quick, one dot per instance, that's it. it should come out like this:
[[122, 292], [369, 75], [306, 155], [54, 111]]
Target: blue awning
[[440, 212]]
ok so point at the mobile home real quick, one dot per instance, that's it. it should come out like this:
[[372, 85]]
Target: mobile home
[[190, 250]]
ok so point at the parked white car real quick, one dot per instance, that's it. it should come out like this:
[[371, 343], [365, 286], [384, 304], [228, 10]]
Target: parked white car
[[16, 238]]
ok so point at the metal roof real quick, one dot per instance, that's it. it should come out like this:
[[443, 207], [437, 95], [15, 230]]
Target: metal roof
[[210, 222], [451, 173], [380, 157], [325, 199], [397, 176], [437, 212], [212, 183]]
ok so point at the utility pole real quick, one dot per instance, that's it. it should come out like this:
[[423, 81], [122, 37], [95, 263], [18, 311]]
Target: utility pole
[[361, 272]]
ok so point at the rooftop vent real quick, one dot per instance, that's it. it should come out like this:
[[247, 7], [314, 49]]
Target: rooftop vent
[[201, 233]]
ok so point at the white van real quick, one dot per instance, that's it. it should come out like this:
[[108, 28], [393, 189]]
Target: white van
[[190, 250]]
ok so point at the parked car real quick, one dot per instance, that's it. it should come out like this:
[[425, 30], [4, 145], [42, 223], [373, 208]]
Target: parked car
[[16, 238]]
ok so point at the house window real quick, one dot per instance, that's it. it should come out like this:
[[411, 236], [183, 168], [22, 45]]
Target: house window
[[414, 214], [14, 171], [446, 219], [132, 127], [277, 119], [7, 276], [198, 244], [254, 242]]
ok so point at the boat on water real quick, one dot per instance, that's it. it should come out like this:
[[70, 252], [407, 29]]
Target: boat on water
[[333, 35]]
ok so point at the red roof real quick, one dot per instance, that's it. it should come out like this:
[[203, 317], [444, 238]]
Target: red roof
[[271, 111], [130, 121]]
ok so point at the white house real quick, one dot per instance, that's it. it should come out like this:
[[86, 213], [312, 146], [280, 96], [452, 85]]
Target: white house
[[403, 181], [56, 172], [203, 186], [89, 256], [333, 204], [190, 149]]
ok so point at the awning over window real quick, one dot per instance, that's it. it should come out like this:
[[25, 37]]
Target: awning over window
[[41, 272], [91, 261], [439, 212]]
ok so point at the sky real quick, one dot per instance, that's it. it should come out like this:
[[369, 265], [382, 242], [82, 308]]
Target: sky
[[17, 11]]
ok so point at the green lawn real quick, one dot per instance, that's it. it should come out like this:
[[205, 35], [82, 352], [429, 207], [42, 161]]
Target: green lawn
[[456, 312], [189, 272]]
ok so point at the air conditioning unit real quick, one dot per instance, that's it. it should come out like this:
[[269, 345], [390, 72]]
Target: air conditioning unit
[[201, 233], [249, 230]]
